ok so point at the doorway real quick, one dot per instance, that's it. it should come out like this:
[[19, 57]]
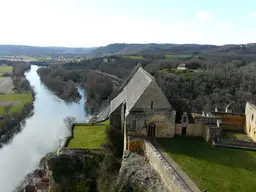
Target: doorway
[[184, 131], [152, 130]]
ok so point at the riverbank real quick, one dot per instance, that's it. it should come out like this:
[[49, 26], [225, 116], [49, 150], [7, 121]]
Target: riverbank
[[15, 105], [63, 83]]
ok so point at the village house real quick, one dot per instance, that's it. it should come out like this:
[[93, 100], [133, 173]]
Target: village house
[[182, 66], [142, 110]]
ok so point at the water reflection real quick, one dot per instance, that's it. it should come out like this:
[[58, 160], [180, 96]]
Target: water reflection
[[40, 133]]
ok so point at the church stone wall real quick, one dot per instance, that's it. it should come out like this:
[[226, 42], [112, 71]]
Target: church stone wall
[[164, 123]]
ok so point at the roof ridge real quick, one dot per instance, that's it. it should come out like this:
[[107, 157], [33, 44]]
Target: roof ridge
[[147, 73], [127, 80]]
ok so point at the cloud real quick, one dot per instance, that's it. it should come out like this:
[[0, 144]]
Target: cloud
[[252, 15], [204, 15]]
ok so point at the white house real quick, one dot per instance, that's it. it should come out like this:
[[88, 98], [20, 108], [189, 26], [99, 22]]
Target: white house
[[182, 66]]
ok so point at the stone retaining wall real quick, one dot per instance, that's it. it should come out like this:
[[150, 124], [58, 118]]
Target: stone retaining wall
[[235, 143], [172, 179]]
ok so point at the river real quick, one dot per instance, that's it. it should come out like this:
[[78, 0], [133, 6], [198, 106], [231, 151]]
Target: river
[[41, 133]]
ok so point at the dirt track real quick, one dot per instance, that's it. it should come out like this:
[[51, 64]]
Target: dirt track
[[6, 85], [7, 103]]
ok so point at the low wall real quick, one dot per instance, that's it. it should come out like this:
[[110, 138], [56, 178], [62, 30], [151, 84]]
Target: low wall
[[235, 143], [193, 129], [172, 179]]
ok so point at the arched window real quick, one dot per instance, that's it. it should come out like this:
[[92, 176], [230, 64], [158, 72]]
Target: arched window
[[152, 105]]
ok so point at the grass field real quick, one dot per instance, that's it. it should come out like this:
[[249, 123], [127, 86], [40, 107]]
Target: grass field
[[5, 69], [133, 57], [212, 168], [171, 57], [235, 135], [90, 137], [25, 58], [21, 98]]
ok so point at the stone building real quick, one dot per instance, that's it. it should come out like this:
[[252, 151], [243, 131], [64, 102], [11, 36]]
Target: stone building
[[141, 109], [182, 66], [250, 126]]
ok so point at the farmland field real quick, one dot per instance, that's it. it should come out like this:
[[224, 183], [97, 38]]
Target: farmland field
[[171, 57], [16, 101], [133, 57], [5, 69]]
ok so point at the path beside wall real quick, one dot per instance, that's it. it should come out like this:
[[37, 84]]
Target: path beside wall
[[176, 181]]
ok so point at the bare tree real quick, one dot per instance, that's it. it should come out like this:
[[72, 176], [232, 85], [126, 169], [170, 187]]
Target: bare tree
[[69, 121]]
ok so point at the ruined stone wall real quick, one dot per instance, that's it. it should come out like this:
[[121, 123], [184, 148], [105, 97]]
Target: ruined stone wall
[[174, 181]]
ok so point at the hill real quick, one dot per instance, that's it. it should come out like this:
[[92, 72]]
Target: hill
[[17, 50], [125, 49], [128, 49]]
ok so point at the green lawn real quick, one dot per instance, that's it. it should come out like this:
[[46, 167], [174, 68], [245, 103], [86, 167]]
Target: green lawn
[[213, 168], [5, 69], [22, 98], [133, 57], [171, 57], [90, 137], [235, 135]]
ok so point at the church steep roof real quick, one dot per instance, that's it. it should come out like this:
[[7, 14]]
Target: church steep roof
[[117, 101], [136, 87], [133, 88]]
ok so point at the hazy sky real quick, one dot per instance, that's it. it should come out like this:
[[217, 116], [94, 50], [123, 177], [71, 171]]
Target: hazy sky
[[86, 23]]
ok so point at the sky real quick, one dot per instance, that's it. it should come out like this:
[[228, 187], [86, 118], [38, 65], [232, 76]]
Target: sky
[[91, 23]]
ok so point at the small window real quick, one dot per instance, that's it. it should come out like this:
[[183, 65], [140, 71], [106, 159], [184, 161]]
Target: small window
[[252, 117], [134, 124], [152, 105]]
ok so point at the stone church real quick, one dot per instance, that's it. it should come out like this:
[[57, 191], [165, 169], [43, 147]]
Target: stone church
[[141, 108]]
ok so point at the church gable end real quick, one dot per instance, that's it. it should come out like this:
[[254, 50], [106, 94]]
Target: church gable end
[[152, 98]]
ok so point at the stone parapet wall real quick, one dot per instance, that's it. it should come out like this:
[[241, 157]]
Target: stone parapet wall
[[172, 179]]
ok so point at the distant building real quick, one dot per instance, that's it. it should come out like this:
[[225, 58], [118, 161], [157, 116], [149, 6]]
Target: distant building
[[250, 126], [182, 66]]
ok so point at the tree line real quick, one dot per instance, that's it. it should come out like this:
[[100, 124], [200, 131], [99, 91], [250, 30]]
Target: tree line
[[64, 82]]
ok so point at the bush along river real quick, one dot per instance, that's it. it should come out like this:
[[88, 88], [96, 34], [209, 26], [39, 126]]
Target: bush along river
[[41, 133]]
